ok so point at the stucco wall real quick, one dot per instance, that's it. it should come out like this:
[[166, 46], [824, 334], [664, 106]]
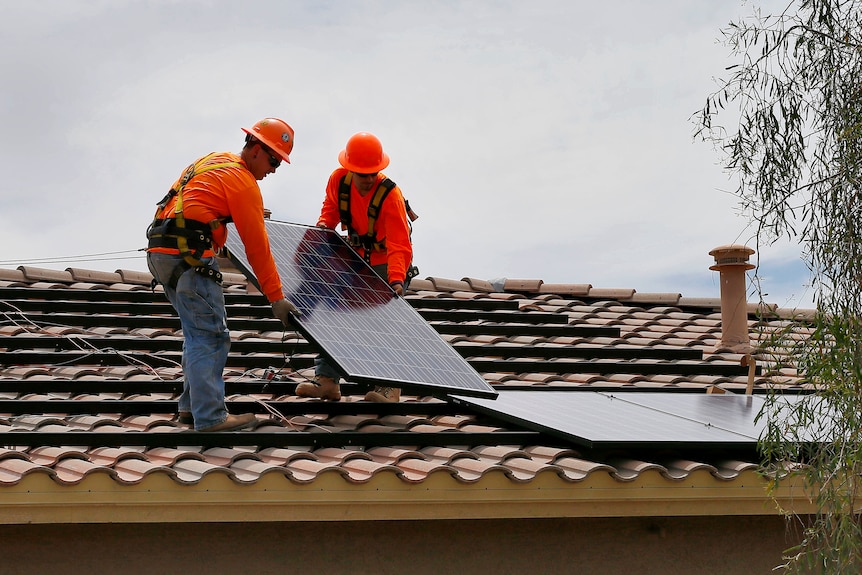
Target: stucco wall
[[666, 546]]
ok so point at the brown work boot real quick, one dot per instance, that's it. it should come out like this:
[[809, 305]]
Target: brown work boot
[[322, 387], [384, 395], [232, 423], [185, 418]]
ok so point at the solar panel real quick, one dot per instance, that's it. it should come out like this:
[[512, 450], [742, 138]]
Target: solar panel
[[360, 325], [643, 419]]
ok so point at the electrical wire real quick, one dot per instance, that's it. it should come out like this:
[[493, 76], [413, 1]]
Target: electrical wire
[[100, 257], [20, 319], [78, 342]]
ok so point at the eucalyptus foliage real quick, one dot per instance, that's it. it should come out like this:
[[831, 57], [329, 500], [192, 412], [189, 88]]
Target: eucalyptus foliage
[[792, 104]]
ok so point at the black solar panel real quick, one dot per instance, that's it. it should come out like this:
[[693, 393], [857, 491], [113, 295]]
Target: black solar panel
[[650, 419], [356, 319]]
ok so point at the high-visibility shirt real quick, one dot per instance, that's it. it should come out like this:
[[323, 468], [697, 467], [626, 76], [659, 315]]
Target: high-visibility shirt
[[230, 192], [391, 224]]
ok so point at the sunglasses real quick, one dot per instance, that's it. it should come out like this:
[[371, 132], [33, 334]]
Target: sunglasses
[[274, 161], [374, 175]]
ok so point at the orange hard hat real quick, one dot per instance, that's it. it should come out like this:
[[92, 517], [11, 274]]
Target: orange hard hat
[[363, 154], [276, 134]]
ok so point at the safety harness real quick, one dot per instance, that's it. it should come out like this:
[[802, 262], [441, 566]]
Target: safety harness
[[192, 238], [368, 241]]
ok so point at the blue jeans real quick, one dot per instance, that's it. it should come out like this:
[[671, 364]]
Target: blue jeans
[[199, 302]]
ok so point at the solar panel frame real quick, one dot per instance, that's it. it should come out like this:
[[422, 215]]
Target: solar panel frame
[[358, 322]]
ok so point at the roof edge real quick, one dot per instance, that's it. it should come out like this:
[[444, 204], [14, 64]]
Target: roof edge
[[274, 498]]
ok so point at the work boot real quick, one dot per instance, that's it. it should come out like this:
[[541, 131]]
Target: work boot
[[384, 395], [232, 423], [322, 387], [185, 418]]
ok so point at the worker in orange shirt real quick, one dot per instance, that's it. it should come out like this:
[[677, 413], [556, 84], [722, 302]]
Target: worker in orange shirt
[[188, 228], [371, 208]]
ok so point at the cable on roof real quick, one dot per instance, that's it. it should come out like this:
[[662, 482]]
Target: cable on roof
[[79, 343], [105, 256]]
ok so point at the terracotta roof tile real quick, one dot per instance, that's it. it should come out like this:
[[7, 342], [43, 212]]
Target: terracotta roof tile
[[671, 298], [280, 456], [417, 470], [448, 285], [45, 275], [92, 421], [565, 289], [73, 471], [251, 470], [478, 285], [466, 295], [361, 471], [191, 471], [680, 469], [225, 457], [549, 454], [576, 469], [611, 295], [729, 469], [7, 453], [524, 469], [424, 287], [132, 471], [306, 471], [136, 277], [111, 456], [471, 470], [13, 470], [13, 277], [631, 469], [500, 452], [523, 285], [97, 277], [393, 455], [653, 327], [446, 454], [49, 456], [713, 302]]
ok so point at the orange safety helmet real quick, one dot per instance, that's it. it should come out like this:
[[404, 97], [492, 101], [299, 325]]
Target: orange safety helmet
[[276, 134], [363, 154]]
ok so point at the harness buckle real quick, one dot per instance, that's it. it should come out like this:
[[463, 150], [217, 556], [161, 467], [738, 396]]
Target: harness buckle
[[354, 240]]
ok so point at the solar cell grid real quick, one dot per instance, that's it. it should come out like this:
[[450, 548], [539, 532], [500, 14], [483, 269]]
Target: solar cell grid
[[359, 323], [610, 420]]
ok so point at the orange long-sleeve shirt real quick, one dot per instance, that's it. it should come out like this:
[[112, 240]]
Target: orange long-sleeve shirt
[[231, 192], [391, 223]]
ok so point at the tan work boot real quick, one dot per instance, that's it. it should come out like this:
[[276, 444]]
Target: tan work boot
[[321, 388], [232, 423], [384, 395]]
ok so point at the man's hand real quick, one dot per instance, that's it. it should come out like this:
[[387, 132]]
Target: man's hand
[[282, 310], [397, 287]]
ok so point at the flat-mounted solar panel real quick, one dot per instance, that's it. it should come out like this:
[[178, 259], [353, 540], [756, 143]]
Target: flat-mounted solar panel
[[360, 325], [645, 419]]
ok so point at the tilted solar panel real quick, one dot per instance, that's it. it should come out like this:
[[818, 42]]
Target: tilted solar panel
[[649, 419], [372, 335]]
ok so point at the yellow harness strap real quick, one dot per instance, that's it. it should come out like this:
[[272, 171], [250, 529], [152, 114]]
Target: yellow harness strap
[[193, 170]]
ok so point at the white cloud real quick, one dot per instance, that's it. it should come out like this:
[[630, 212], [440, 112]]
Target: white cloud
[[548, 139]]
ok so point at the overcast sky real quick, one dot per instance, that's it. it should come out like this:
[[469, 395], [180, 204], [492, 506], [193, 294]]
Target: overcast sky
[[548, 139]]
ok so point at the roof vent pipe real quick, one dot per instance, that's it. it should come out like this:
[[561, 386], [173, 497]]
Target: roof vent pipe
[[731, 262]]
